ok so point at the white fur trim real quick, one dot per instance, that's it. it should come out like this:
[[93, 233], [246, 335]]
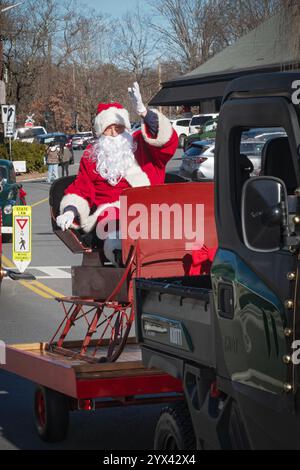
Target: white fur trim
[[136, 177], [91, 220], [165, 131], [110, 116], [77, 201]]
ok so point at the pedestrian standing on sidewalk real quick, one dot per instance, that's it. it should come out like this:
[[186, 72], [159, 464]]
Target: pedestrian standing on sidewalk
[[65, 157], [52, 161]]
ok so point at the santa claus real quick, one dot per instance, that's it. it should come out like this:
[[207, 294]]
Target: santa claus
[[117, 161]]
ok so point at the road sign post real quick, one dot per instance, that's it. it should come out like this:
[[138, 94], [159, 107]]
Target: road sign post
[[8, 119], [10, 152], [22, 237]]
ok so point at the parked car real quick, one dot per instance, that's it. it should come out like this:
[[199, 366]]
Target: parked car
[[199, 120], [198, 160], [11, 194], [29, 134], [135, 126], [196, 137], [181, 126], [210, 125], [264, 133], [81, 140], [77, 142], [135, 129], [57, 138]]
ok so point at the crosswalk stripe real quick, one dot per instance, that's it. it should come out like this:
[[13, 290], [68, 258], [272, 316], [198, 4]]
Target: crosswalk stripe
[[52, 272]]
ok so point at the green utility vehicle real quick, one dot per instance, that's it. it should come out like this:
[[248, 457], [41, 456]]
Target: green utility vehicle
[[232, 337]]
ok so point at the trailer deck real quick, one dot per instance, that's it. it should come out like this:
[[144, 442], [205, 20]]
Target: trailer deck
[[75, 377]]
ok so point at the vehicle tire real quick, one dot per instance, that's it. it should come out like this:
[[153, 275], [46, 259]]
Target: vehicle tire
[[181, 140], [51, 410], [174, 430]]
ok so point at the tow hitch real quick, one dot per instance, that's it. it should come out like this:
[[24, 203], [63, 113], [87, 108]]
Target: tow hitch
[[16, 276]]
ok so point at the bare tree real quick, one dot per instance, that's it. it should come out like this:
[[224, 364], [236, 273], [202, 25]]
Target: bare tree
[[186, 29], [91, 40], [29, 45], [134, 44], [289, 26], [194, 30], [53, 47], [63, 58], [241, 16]]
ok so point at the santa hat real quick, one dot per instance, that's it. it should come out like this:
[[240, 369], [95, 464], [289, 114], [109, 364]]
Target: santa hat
[[108, 114]]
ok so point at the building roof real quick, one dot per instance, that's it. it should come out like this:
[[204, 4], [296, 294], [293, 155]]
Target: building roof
[[269, 47], [269, 44]]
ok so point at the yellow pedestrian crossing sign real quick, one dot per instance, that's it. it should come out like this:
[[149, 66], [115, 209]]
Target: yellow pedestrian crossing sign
[[22, 237]]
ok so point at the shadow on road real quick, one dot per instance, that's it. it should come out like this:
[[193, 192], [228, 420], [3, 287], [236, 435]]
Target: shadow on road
[[129, 428]]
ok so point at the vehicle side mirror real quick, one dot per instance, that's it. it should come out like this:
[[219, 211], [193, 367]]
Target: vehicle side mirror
[[264, 213]]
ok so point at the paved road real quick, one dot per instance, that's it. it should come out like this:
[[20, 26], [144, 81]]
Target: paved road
[[30, 315]]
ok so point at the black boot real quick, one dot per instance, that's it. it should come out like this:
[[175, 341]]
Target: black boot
[[118, 258]]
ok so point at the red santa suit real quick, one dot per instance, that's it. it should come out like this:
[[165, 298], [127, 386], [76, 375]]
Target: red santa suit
[[91, 194]]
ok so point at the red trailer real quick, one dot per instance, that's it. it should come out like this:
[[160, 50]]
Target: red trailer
[[66, 384], [105, 368]]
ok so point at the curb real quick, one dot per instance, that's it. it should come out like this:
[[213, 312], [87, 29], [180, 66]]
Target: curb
[[43, 178]]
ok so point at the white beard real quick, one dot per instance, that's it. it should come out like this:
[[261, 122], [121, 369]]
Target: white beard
[[114, 156]]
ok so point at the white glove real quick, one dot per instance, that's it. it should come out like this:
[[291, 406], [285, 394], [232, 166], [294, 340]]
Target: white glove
[[65, 220], [136, 98]]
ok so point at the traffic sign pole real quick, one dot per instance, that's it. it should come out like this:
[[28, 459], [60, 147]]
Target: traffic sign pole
[[8, 119], [10, 152]]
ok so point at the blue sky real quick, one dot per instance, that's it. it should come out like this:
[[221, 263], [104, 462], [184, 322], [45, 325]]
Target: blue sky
[[116, 7]]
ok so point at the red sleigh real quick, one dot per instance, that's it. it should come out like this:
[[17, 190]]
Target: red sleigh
[[102, 296]]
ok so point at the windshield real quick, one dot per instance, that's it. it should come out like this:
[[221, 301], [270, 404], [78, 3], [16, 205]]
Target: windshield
[[85, 134], [3, 172], [30, 132], [211, 121], [251, 148], [184, 123], [58, 139], [200, 120]]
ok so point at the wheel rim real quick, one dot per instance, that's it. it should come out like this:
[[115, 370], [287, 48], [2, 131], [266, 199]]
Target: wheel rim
[[41, 409]]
